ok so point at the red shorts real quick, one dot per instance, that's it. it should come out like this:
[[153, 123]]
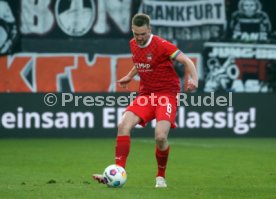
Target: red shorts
[[154, 106]]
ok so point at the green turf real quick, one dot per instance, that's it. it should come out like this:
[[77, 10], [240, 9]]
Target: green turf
[[198, 168]]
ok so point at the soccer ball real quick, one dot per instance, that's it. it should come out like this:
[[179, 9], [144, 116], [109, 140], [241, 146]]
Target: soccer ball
[[115, 176]]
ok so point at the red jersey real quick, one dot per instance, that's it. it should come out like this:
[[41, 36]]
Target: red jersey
[[154, 64]]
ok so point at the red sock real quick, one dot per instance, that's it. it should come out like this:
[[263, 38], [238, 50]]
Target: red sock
[[122, 150], [162, 159]]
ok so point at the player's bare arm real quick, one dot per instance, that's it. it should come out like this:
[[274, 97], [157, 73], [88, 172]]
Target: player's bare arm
[[191, 77], [126, 79]]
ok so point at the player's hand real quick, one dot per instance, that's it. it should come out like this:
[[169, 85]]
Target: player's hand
[[190, 84], [124, 81]]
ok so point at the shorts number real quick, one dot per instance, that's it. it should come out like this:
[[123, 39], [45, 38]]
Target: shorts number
[[169, 108]]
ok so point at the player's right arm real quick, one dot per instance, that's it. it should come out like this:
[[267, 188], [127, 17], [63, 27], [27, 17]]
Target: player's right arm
[[126, 79]]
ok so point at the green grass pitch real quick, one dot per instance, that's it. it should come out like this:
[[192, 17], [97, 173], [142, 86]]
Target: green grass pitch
[[197, 168]]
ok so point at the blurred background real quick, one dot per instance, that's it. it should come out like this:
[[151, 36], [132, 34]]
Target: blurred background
[[82, 47]]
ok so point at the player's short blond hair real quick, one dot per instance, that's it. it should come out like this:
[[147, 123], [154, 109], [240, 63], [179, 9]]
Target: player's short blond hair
[[141, 19]]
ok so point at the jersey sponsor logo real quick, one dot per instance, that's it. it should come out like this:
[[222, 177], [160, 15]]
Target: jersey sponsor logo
[[142, 66]]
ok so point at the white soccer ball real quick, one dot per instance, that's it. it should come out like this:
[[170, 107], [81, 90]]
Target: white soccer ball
[[115, 176]]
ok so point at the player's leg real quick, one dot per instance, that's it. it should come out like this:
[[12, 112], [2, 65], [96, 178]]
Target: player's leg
[[161, 134], [162, 150], [129, 120], [165, 116], [135, 113]]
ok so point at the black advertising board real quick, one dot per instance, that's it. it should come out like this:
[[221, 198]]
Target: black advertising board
[[97, 115]]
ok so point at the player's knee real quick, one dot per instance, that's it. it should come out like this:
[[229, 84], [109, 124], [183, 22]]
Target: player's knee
[[160, 138], [124, 128]]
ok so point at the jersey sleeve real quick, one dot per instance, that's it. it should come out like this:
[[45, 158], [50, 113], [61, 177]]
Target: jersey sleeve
[[170, 50]]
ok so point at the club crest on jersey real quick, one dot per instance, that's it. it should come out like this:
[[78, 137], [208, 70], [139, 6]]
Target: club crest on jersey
[[149, 57]]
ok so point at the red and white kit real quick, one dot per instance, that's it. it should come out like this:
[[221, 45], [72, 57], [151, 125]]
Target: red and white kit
[[154, 65]]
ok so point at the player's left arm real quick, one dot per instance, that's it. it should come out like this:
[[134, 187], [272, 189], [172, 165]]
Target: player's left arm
[[191, 77]]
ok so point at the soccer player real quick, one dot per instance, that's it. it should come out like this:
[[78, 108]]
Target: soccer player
[[159, 84]]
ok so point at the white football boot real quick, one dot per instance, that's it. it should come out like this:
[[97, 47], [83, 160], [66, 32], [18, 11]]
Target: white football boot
[[160, 182]]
